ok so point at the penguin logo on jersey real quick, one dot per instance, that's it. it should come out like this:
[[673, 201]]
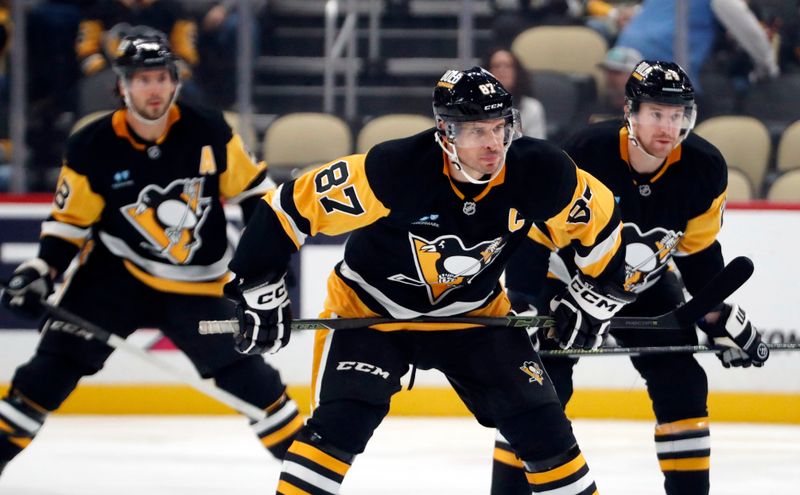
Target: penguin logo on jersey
[[170, 218], [646, 255], [534, 371], [444, 264]]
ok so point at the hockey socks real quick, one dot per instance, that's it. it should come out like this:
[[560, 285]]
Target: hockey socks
[[313, 468], [566, 474], [684, 454], [279, 428], [508, 471], [20, 420]]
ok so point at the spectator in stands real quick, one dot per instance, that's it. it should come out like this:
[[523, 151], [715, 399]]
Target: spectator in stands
[[507, 68], [617, 67], [514, 16], [52, 73], [652, 32], [218, 43]]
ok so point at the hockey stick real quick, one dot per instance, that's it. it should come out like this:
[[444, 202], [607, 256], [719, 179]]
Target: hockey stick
[[725, 283], [88, 329], [639, 351]]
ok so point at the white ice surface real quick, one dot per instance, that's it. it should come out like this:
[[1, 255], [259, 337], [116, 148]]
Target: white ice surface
[[204, 455]]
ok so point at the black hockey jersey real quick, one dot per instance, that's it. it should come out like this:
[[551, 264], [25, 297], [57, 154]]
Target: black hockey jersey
[[675, 213], [422, 244], [155, 205]]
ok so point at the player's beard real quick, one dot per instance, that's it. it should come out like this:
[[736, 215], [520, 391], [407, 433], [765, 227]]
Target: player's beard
[[152, 112]]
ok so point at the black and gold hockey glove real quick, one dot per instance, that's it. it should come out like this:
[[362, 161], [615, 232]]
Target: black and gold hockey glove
[[27, 287], [264, 313], [739, 340], [583, 313]]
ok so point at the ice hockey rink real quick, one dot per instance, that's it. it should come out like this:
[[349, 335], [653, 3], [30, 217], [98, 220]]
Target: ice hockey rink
[[204, 455]]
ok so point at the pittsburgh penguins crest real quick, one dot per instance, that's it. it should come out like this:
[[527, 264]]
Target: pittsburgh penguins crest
[[170, 218], [534, 372], [647, 255], [445, 264]]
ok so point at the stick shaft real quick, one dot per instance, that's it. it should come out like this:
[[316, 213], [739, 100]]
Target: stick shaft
[[638, 351]]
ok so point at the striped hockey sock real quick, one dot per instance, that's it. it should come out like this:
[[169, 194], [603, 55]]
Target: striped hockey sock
[[508, 471], [277, 431], [566, 475], [684, 454], [311, 468], [20, 420]]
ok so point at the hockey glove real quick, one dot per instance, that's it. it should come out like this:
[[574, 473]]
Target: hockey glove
[[583, 314], [264, 313], [27, 287], [739, 339]]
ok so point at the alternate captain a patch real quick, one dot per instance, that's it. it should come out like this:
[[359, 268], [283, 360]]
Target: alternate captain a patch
[[170, 218], [534, 371], [445, 264]]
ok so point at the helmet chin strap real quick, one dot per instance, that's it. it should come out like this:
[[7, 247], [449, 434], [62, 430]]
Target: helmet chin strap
[[141, 118], [450, 150]]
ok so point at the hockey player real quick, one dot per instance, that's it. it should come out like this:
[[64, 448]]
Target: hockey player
[[434, 218], [138, 201], [670, 186]]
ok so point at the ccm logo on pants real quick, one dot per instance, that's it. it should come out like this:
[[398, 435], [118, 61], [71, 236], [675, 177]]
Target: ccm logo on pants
[[363, 367]]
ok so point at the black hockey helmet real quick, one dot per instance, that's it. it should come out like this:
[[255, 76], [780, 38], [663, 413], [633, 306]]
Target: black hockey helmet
[[473, 94], [662, 83], [654, 81], [142, 53], [468, 96]]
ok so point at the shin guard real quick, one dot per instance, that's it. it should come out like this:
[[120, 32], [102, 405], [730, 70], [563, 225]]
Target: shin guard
[[684, 454]]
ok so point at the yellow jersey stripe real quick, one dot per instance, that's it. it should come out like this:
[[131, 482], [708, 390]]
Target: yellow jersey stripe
[[702, 230]]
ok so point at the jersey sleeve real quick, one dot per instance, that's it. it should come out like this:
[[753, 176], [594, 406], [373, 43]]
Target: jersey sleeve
[[699, 254], [244, 177], [589, 222], [75, 208], [332, 199]]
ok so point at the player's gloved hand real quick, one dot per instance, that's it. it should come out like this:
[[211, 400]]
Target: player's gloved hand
[[582, 314], [27, 287], [264, 313], [740, 340]]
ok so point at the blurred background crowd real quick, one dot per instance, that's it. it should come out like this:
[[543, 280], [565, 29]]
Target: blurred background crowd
[[322, 78]]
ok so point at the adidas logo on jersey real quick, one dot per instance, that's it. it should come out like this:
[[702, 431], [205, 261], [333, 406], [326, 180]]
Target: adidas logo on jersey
[[430, 220]]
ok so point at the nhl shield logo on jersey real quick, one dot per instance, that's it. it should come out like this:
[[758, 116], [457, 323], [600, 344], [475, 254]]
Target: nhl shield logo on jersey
[[534, 371], [444, 264], [170, 218], [646, 255]]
